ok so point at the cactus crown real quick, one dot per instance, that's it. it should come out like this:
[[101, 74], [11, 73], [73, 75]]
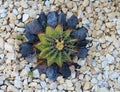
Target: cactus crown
[[56, 45]]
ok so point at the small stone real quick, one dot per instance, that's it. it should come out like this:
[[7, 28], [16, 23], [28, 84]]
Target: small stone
[[47, 3], [60, 87], [17, 82], [33, 84], [9, 47], [36, 73], [2, 91], [43, 84], [25, 71], [110, 58], [1, 82], [114, 75], [42, 77], [70, 4], [1, 58], [15, 11], [87, 86], [2, 10], [25, 17], [12, 88], [21, 30], [94, 80], [3, 15], [118, 31], [85, 3], [104, 84], [69, 83], [104, 63], [73, 74], [23, 4], [118, 80], [1, 43], [85, 22], [53, 85]]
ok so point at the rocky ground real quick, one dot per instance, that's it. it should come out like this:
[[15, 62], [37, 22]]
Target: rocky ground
[[100, 71]]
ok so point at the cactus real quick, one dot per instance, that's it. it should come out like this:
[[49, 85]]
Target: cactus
[[56, 45]]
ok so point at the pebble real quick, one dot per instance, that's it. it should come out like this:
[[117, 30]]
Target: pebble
[[94, 80], [25, 17], [73, 74], [85, 3], [1, 58], [110, 58], [118, 80], [43, 84], [87, 86], [18, 82], [69, 83], [1, 82], [53, 85], [2, 10], [21, 30], [9, 47], [114, 75], [103, 90], [43, 77], [118, 31], [25, 71], [36, 73], [15, 11], [70, 4], [3, 15], [2, 91], [23, 4], [1, 43]]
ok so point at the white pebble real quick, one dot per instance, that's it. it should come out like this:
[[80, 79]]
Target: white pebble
[[25, 17], [18, 82], [94, 80], [36, 73], [2, 10], [2, 91], [3, 15], [110, 58], [43, 84], [113, 75], [73, 74], [119, 80], [9, 47], [118, 31], [1, 82], [15, 11], [21, 30]]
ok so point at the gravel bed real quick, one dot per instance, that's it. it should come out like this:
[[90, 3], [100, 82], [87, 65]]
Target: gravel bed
[[99, 72]]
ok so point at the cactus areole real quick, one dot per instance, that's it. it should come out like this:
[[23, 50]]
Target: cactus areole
[[56, 45]]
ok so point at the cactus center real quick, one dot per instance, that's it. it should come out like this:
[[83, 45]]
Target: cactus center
[[59, 44]]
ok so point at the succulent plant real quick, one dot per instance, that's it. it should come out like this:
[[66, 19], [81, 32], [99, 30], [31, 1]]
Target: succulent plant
[[56, 45]]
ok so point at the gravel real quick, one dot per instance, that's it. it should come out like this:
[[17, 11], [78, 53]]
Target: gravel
[[100, 17]]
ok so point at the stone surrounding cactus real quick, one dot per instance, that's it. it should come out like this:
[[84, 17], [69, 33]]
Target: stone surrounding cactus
[[56, 45]]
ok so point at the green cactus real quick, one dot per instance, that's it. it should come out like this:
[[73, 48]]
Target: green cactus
[[56, 45]]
